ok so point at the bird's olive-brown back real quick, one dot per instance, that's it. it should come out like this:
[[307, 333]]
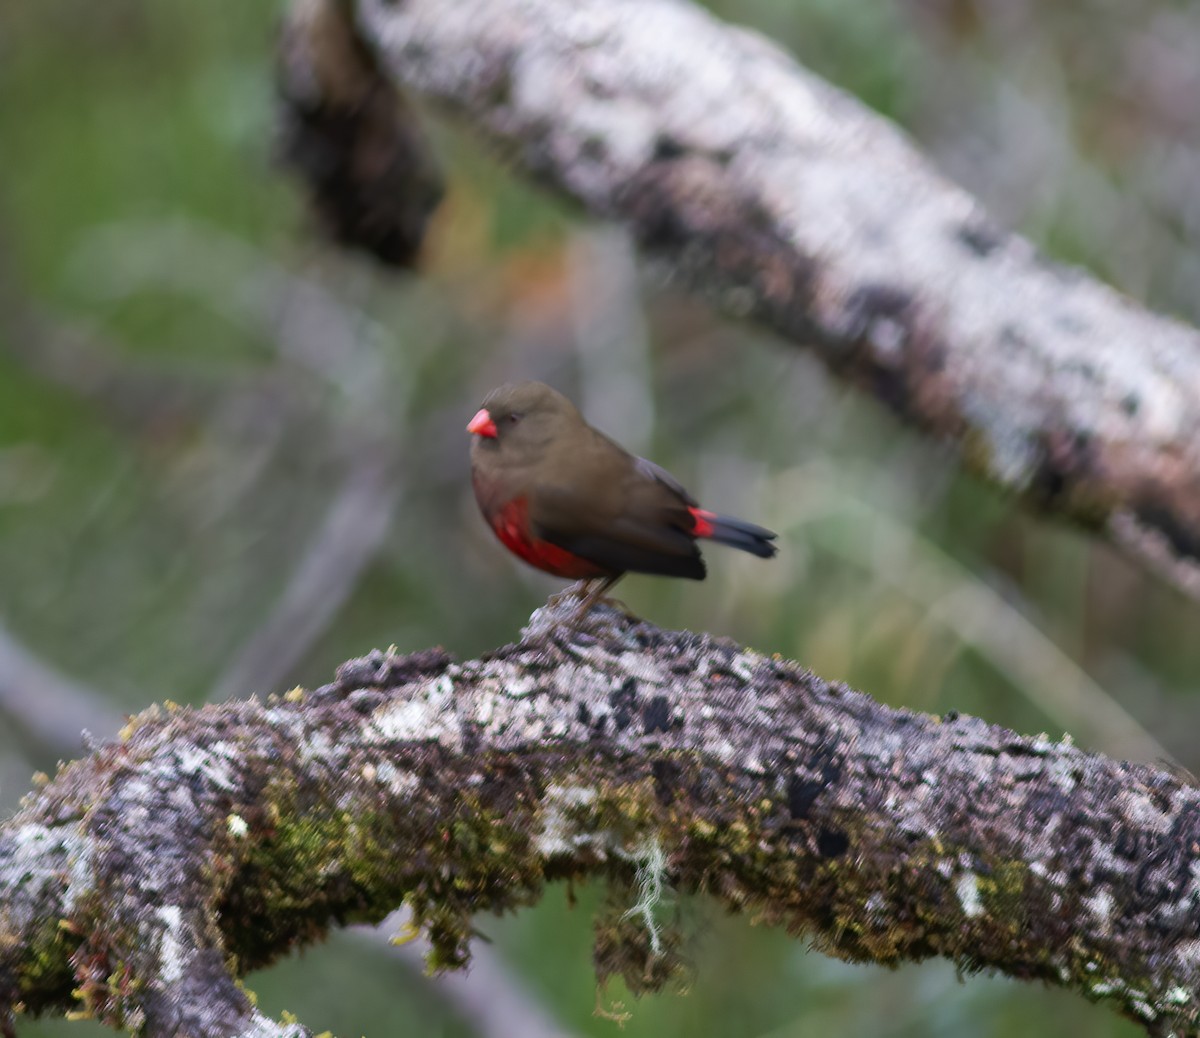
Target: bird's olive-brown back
[[582, 491]]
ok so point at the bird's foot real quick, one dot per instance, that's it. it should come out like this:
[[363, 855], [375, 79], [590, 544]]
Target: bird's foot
[[587, 607], [593, 592], [577, 590], [584, 595], [555, 622]]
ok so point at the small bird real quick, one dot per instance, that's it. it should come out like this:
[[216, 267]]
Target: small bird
[[568, 500]]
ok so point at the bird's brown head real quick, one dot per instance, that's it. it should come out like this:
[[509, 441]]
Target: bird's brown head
[[519, 420]]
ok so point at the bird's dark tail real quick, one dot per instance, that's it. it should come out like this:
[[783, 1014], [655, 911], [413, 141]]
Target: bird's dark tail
[[737, 533]]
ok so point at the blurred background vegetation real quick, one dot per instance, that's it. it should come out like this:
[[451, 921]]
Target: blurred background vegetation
[[231, 458]]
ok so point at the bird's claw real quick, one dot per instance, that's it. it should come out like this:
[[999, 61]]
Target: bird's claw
[[577, 590], [582, 615]]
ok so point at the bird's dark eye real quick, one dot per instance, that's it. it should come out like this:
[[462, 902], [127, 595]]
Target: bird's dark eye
[[512, 419]]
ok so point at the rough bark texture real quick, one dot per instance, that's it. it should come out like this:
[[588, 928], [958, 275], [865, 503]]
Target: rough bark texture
[[141, 880], [788, 202]]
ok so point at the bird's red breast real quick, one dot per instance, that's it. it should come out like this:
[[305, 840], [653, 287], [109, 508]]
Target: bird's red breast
[[511, 524]]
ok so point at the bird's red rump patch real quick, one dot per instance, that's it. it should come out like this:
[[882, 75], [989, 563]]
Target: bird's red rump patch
[[511, 525], [704, 526]]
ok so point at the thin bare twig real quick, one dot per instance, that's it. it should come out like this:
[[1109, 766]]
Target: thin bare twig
[[52, 707], [350, 536]]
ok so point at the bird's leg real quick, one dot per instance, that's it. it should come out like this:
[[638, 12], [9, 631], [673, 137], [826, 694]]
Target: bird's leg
[[575, 590], [592, 596]]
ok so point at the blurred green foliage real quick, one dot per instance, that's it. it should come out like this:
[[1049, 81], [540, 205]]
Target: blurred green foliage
[[172, 432]]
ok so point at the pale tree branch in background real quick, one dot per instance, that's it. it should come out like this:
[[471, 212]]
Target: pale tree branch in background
[[351, 535], [611, 338], [787, 202], [47, 704], [142, 875], [78, 359]]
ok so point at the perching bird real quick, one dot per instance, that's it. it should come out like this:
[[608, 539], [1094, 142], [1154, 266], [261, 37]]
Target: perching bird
[[570, 501]]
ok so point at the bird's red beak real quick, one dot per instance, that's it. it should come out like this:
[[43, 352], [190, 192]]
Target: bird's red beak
[[482, 424]]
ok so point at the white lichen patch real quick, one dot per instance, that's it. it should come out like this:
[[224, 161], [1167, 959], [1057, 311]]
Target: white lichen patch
[[1142, 812], [411, 721], [1103, 858], [483, 709], [519, 684], [41, 856], [400, 783], [725, 751], [913, 819], [1142, 1007], [260, 1026], [967, 889], [590, 664], [1163, 407], [428, 715], [589, 685], [498, 683], [318, 747], [172, 955], [288, 723], [515, 719], [1062, 771], [1100, 905], [743, 664], [645, 669], [213, 764], [562, 831]]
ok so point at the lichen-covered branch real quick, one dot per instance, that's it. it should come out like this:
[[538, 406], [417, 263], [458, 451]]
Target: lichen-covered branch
[[142, 880], [788, 202]]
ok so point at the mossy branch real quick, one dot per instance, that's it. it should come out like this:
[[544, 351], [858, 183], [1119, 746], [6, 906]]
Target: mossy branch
[[141, 881], [785, 201]]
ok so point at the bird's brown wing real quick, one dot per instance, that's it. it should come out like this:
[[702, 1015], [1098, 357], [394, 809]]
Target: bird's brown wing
[[626, 546], [657, 474], [619, 511]]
